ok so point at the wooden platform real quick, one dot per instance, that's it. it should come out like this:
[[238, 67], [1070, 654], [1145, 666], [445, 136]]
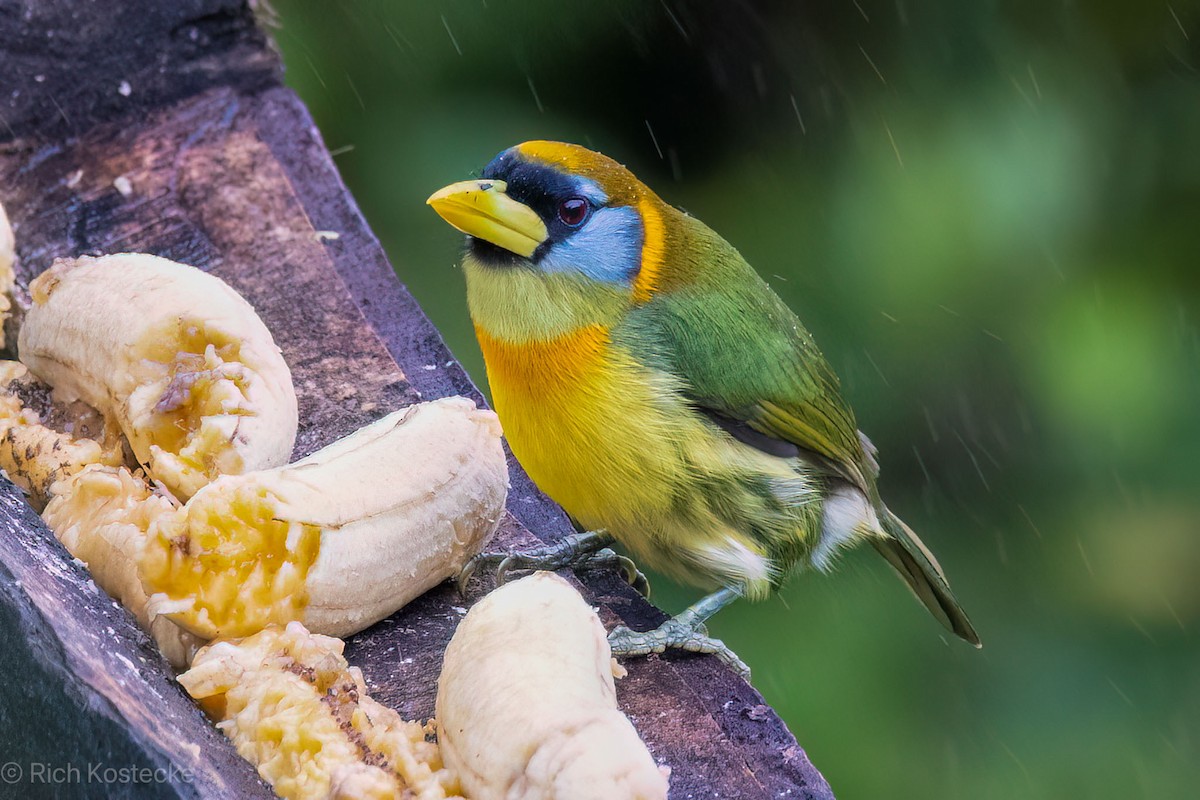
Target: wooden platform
[[164, 128]]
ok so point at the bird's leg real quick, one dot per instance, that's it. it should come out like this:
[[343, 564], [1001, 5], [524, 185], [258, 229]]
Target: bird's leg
[[586, 550], [684, 631]]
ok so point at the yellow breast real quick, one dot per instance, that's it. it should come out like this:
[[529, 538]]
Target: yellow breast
[[587, 423]]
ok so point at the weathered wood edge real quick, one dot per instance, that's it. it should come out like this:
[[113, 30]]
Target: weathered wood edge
[[774, 765]]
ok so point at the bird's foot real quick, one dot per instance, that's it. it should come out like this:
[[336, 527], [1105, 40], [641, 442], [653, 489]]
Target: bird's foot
[[677, 634], [684, 631], [580, 551]]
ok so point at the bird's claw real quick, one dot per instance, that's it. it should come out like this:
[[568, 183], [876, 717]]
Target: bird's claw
[[632, 575], [579, 551], [469, 569], [676, 635], [607, 558], [521, 562]]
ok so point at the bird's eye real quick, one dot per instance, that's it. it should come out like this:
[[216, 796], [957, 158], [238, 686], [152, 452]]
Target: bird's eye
[[573, 212]]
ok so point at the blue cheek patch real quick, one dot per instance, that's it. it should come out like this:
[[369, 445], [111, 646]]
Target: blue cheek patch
[[608, 248]]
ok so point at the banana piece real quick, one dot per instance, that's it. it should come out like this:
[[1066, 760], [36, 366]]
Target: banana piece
[[338, 540], [99, 510], [178, 359], [42, 441], [101, 515], [8, 276], [295, 709], [8, 248], [526, 705]]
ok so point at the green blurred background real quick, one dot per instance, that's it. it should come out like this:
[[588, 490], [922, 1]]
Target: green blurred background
[[989, 216]]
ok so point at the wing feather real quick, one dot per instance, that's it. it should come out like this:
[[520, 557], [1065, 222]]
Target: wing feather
[[744, 356]]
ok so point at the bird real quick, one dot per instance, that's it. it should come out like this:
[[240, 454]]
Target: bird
[[652, 384]]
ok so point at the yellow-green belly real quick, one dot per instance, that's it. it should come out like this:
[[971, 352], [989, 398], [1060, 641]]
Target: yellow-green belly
[[585, 426], [617, 447]]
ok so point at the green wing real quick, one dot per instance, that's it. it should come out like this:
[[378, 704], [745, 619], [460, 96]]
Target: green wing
[[746, 360], [744, 356]]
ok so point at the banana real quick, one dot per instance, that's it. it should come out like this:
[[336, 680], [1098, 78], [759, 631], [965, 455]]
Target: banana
[[340, 539], [335, 541], [526, 705], [42, 441], [102, 515], [66, 452], [178, 359], [8, 276], [295, 709], [8, 246]]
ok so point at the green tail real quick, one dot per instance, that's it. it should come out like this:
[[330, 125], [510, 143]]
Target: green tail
[[920, 570]]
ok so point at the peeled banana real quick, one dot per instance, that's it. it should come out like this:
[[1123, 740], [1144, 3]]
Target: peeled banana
[[340, 539], [8, 250], [212, 535], [8, 275], [180, 361], [302, 716], [42, 441], [526, 705], [102, 515]]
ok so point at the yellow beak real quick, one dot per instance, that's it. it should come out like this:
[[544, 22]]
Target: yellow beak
[[482, 209]]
